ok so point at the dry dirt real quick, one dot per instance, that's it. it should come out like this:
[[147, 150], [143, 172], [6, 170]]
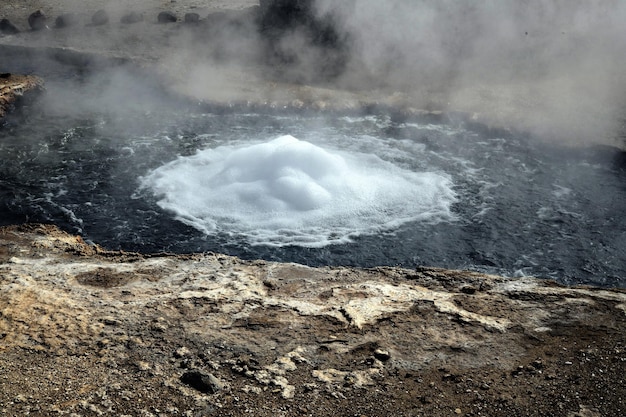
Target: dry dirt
[[84, 331]]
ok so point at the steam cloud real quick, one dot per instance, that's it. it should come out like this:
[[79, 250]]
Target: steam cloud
[[552, 67], [555, 65]]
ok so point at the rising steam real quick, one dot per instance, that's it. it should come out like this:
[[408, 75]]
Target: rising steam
[[551, 67], [554, 67]]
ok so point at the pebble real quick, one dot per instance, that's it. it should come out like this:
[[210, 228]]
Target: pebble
[[110, 321], [166, 17], [382, 355], [202, 382], [182, 352]]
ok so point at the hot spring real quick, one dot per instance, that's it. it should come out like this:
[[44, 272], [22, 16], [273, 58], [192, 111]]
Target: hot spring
[[350, 190], [290, 192]]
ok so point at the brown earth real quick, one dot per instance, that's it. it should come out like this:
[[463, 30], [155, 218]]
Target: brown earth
[[84, 331]]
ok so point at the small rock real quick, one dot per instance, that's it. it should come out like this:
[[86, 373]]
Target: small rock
[[66, 20], [468, 289], [458, 411], [132, 17], [99, 18], [250, 389], [143, 366], [382, 355], [192, 18], [202, 382], [166, 17], [21, 398], [110, 321], [8, 28], [425, 400], [182, 352], [104, 342], [37, 20]]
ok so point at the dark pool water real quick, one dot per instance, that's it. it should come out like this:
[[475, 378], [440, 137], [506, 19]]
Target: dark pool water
[[522, 206]]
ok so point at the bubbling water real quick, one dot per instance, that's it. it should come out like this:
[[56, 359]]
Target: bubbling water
[[292, 192]]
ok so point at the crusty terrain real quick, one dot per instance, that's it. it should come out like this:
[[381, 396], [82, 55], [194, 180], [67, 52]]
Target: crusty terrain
[[84, 331]]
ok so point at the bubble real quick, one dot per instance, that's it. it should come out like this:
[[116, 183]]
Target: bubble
[[291, 192]]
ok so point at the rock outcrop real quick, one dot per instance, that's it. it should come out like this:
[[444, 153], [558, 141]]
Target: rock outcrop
[[85, 330], [14, 86]]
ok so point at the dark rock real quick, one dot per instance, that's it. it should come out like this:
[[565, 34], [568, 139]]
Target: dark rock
[[66, 20], [8, 28], [166, 17], [132, 17], [99, 18], [202, 382], [382, 355], [192, 18], [37, 20]]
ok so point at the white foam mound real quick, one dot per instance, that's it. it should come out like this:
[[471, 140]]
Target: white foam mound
[[291, 192]]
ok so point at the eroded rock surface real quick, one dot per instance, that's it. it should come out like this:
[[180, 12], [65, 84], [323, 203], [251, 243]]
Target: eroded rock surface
[[14, 86], [88, 331]]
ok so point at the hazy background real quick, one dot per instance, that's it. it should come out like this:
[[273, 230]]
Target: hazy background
[[558, 64], [553, 67]]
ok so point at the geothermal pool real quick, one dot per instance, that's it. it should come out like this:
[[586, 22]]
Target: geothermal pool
[[354, 190]]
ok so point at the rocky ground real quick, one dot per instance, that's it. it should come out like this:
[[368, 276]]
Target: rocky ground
[[84, 331]]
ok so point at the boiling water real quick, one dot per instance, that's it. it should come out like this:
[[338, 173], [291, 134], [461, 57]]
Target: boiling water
[[344, 190], [290, 192]]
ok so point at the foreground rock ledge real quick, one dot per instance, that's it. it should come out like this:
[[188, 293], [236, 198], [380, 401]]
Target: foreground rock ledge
[[85, 331]]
